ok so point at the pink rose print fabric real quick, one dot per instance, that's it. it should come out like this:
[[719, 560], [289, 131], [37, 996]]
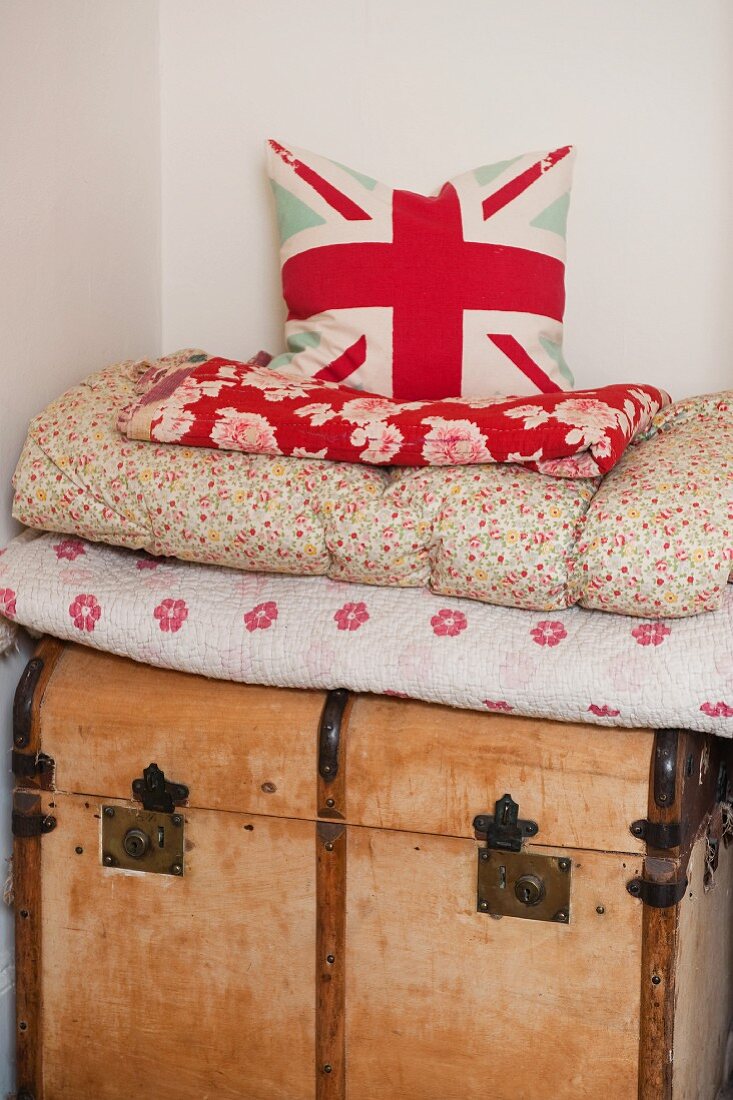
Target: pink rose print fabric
[[577, 666], [657, 540], [248, 407]]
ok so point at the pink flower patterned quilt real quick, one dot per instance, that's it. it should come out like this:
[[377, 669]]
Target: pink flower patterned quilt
[[311, 632], [653, 538], [232, 406]]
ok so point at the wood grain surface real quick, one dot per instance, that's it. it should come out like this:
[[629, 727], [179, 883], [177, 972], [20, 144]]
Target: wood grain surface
[[427, 768], [444, 1003], [237, 747], [180, 988]]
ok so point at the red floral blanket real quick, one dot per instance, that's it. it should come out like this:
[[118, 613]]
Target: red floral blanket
[[220, 403]]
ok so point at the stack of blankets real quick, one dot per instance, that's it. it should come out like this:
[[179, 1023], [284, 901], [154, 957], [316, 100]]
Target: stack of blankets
[[590, 586]]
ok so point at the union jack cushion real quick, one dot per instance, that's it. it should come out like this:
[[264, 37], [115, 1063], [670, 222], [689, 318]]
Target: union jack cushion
[[457, 294]]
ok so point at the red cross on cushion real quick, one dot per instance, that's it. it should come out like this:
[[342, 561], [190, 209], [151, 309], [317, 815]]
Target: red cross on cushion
[[460, 294]]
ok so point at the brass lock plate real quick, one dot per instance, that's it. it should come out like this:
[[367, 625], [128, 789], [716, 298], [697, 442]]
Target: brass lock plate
[[524, 884], [141, 840]]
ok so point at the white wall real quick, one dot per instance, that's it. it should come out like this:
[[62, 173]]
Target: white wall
[[79, 247], [414, 92]]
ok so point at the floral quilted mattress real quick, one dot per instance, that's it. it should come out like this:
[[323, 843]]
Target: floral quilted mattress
[[653, 538], [573, 665]]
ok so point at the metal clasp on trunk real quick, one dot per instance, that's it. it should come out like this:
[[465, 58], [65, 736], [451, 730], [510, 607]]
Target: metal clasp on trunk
[[143, 840], [515, 883], [503, 830], [660, 895], [157, 793]]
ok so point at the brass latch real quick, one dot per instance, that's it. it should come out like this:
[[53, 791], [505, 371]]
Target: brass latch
[[513, 882], [150, 839], [142, 840]]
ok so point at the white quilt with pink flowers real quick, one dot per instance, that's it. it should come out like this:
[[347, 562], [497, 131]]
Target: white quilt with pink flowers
[[311, 632]]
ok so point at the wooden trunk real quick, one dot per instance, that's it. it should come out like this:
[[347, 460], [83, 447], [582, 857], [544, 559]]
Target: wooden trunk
[[326, 922]]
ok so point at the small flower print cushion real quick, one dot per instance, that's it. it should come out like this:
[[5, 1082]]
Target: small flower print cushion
[[245, 407], [456, 294]]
